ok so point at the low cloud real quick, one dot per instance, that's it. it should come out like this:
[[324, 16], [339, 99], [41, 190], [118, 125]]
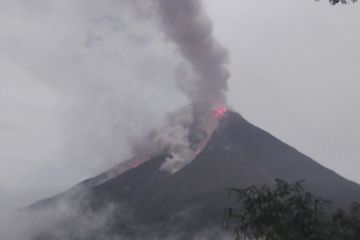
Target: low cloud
[[79, 79]]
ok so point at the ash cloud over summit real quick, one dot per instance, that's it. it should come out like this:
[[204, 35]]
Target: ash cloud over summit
[[89, 75], [73, 93], [87, 80], [202, 76], [188, 26]]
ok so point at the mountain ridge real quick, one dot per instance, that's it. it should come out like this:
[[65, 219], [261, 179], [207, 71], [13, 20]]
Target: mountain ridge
[[238, 154]]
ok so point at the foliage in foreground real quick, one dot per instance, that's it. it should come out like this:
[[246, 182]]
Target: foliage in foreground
[[341, 1], [287, 212]]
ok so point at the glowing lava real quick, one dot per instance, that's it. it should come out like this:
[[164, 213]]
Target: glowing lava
[[220, 112], [137, 164]]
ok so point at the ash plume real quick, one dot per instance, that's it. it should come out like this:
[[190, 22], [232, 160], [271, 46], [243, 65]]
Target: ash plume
[[172, 137], [186, 24], [202, 76]]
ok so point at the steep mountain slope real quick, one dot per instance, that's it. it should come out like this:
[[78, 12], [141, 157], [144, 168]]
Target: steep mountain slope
[[237, 155]]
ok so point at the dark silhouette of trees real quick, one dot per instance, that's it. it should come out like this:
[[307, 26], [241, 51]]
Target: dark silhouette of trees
[[341, 1], [286, 212]]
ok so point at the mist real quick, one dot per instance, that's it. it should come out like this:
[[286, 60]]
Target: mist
[[81, 96], [72, 91], [83, 80], [86, 94]]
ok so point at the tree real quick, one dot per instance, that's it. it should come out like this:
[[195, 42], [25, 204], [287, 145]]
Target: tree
[[341, 1], [289, 212]]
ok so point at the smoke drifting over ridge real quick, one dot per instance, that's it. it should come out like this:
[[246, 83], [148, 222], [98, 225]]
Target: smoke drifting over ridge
[[202, 77], [73, 99], [186, 24]]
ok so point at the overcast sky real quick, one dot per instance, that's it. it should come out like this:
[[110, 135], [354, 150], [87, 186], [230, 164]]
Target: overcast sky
[[295, 73], [80, 79]]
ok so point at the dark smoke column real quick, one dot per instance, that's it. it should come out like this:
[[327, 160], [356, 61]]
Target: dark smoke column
[[186, 24]]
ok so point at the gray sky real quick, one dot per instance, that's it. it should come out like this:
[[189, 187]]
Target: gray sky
[[72, 95], [295, 73]]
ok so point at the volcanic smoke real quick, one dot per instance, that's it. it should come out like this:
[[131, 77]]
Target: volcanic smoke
[[186, 24], [203, 78]]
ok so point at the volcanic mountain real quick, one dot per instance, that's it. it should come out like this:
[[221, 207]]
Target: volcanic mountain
[[238, 154]]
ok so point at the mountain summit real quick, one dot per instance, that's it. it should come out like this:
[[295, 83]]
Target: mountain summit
[[238, 154]]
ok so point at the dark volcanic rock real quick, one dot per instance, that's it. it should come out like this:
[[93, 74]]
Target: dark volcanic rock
[[238, 155]]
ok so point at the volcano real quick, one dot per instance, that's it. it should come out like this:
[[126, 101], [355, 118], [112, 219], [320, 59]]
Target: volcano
[[237, 154]]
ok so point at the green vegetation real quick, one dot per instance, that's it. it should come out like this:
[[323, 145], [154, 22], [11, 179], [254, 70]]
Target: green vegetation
[[288, 212]]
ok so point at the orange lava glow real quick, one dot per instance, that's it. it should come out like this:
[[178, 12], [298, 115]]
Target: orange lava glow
[[137, 164], [220, 112]]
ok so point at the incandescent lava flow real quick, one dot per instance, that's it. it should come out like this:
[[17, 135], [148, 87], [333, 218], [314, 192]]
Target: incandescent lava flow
[[220, 112]]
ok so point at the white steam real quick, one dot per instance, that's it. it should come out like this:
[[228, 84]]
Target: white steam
[[175, 138], [171, 138], [62, 220], [202, 76], [88, 57]]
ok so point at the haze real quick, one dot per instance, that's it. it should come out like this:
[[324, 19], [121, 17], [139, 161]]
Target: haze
[[82, 79]]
